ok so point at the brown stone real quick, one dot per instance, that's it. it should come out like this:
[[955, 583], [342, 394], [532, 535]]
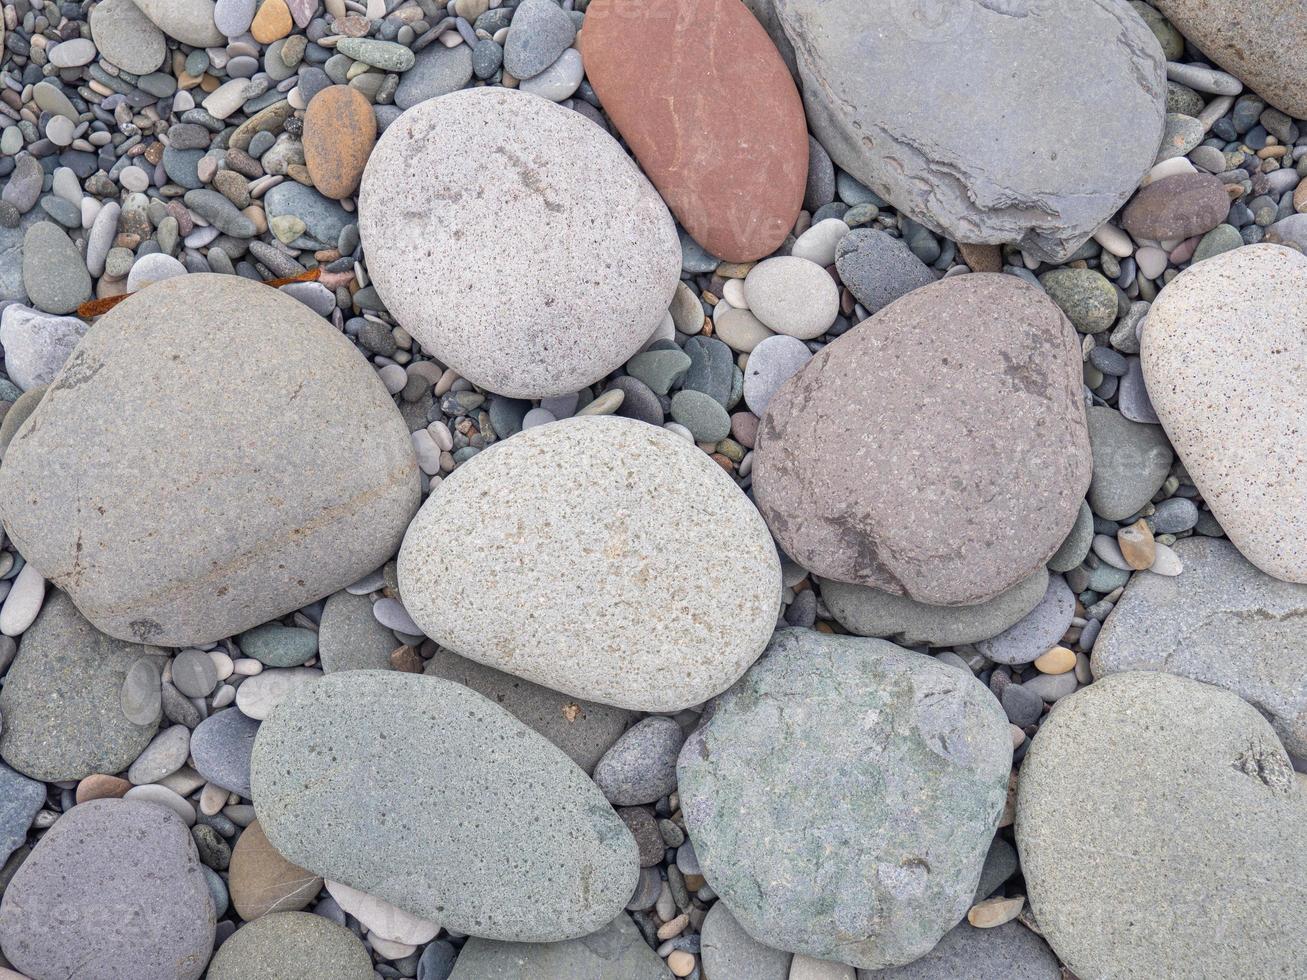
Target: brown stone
[[272, 22], [1137, 545], [339, 133], [101, 787], [1176, 207], [995, 911], [704, 100], [263, 881], [938, 450], [982, 258]]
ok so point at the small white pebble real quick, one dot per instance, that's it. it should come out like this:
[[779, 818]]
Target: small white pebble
[[246, 667], [23, 602]]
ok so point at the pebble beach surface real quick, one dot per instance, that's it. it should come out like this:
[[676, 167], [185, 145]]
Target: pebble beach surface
[[635, 489]]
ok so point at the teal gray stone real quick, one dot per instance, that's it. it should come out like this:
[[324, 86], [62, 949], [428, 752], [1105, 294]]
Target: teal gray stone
[[661, 370], [438, 71], [221, 213], [1222, 238], [615, 952], [870, 612], [275, 645], [20, 800], [712, 368], [181, 166], [62, 698], [1006, 952], [1131, 462], [506, 415], [323, 219], [1223, 622], [291, 946], [386, 55], [702, 414], [842, 796], [350, 638], [1078, 541], [54, 272], [729, 951], [1001, 863], [1085, 296], [486, 828]]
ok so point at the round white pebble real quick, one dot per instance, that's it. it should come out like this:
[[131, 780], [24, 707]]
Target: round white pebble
[[817, 244], [792, 296]]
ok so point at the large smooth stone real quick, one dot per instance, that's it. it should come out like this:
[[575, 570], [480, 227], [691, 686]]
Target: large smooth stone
[[716, 123], [1224, 356], [1007, 952], [516, 241], [425, 794], [126, 37], [915, 101], [970, 386], [1163, 833], [598, 556], [349, 636], [262, 881], [1222, 622], [871, 612], [189, 21], [729, 951], [584, 730], [615, 952], [62, 700], [114, 885], [212, 492], [843, 795], [292, 946], [1259, 43]]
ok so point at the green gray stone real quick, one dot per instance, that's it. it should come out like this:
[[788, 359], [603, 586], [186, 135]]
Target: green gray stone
[[702, 414], [386, 55], [18, 413], [291, 946], [1073, 550], [1172, 41], [1007, 952], [1131, 462], [659, 369], [842, 797], [615, 952], [275, 645], [54, 272], [729, 951], [350, 638], [1087, 299], [1222, 238], [62, 698]]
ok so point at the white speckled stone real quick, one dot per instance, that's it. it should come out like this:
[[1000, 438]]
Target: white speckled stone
[[1224, 357], [36, 344], [793, 296], [599, 556], [516, 241]]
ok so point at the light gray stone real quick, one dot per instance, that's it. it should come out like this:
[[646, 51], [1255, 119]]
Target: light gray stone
[[771, 364], [1007, 952], [462, 175], [350, 638], [552, 555], [896, 764], [318, 478], [114, 883], [1162, 832], [487, 828], [615, 952], [540, 31], [1131, 462], [1093, 70], [36, 345], [1222, 622], [126, 37], [1036, 632], [189, 21], [292, 946], [1224, 359], [54, 272], [729, 951], [641, 766]]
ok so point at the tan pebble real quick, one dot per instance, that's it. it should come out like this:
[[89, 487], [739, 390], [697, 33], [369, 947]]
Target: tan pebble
[[995, 911], [695, 882], [209, 83], [1300, 198], [255, 214], [673, 928], [1018, 736], [212, 799], [680, 963], [272, 22], [1137, 545], [1056, 661], [262, 881], [101, 787], [982, 258]]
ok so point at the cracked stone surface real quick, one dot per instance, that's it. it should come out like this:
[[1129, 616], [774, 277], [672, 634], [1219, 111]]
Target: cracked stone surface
[[1222, 622], [843, 795], [1162, 832], [516, 241], [175, 534], [970, 386], [483, 827], [1093, 86]]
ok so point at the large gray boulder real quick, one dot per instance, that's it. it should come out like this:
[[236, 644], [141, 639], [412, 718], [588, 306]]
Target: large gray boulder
[[212, 456], [615, 952], [843, 795], [1093, 99], [1008, 952], [1163, 833], [1222, 622], [425, 794]]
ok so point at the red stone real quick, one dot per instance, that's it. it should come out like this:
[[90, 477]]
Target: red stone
[[706, 104]]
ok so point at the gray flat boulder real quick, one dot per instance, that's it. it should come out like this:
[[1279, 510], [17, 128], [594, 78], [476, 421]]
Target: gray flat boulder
[[1008, 952], [1093, 98], [615, 952], [1222, 622], [213, 492], [843, 795], [425, 794], [1163, 833]]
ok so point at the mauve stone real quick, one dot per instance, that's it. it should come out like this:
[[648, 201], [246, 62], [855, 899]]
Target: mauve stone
[[717, 124], [970, 386], [1177, 207]]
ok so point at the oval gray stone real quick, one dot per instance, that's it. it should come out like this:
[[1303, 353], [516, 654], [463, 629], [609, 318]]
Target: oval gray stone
[[1131, 462], [615, 952], [221, 746], [878, 268], [296, 475], [729, 951], [1038, 631], [641, 765], [350, 638], [54, 271], [485, 827], [292, 946], [896, 763]]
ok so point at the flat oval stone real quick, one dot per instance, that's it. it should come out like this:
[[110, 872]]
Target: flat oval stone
[[1177, 207], [295, 477], [486, 828], [126, 37], [262, 881], [292, 946], [1224, 356], [1094, 73], [501, 190], [615, 952], [64, 908], [54, 271], [568, 585], [221, 747], [339, 133], [896, 763], [349, 636], [1196, 786], [792, 296], [977, 377], [1257, 43], [717, 124], [62, 700]]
